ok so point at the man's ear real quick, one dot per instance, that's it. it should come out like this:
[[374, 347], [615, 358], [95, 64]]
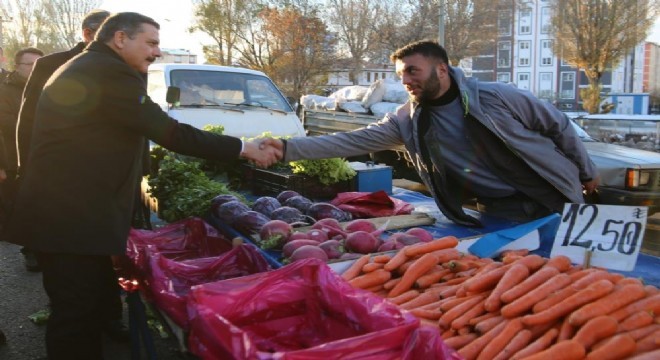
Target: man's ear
[[88, 35], [119, 39]]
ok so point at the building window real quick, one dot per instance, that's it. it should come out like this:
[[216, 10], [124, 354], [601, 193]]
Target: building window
[[375, 76], [504, 23], [546, 26], [382, 75], [546, 52], [567, 85], [523, 81], [368, 77], [193, 59], [503, 54], [525, 22], [177, 58], [524, 45], [504, 77], [524, 53], [523, 61]]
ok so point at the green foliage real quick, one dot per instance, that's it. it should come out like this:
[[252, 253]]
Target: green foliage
[[183, 189], [328, 171]]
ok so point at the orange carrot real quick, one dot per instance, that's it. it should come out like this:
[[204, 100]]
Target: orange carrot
[[635, 321], [488, 324], [370, 267], [430, 278], [560, 262], [539, 330], [433, 245], [566, 330], [427, 322], [527, 301], [472, 350], [406, 296], [486, 280], [478, 319], [355, 268], [513, 276], [611, 302], [651, 355], [449, 333], [389, 284], [464, 319], [378, 277], [446, 255], [565, 350], [643, 331], [459, 341], [629, 280], [397, 260], [458, 310], [592, 292], [596, 329], [530, 283], [574, 269], [375, 288], [419, 268], [381, 259], [427, 314], [451, 302], [467, 273], [422, 299], [519, 252], [538, 345], [651, 290], [649, 303], [517, 343], [617, 347], [488, 267], [533, 262], [554, 298], [404, 267], [497, 344], [590, 279], [648, 342], [464, 330]]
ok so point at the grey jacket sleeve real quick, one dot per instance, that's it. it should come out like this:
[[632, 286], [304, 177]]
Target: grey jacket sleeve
[[383, 135], [552, 123]]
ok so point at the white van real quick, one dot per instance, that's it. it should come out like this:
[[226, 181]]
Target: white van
[[245, 102]]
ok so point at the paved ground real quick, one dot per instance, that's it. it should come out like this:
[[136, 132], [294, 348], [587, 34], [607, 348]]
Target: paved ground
[[21, 295]]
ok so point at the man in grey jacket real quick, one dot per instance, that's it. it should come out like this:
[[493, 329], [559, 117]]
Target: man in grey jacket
[[519, 156]]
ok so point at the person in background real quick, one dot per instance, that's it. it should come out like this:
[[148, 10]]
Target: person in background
[[517, 155], [92, 121], [11, 89]]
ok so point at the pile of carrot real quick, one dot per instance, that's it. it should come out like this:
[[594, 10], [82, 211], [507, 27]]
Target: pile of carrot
[[522, 307]]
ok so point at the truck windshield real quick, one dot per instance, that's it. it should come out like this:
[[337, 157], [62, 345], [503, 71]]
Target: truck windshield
[[201, 87]]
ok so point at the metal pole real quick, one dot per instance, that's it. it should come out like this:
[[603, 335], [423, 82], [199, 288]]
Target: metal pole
[[441, 22]]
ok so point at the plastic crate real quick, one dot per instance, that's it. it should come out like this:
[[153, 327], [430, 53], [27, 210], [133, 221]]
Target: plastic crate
[[267, 182]]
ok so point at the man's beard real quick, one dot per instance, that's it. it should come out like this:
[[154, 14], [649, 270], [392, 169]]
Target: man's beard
[[430, 88]]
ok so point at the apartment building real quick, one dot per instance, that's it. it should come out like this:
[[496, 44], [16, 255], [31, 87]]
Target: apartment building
[[178, 56], [523, 56]]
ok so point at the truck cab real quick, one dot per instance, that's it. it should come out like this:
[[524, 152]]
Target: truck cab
[[245, 102]]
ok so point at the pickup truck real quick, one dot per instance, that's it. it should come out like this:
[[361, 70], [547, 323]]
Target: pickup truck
[[627, 176], [245, 102]]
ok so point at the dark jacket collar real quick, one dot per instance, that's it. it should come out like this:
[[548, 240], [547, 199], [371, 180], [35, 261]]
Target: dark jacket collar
[[96, 46]]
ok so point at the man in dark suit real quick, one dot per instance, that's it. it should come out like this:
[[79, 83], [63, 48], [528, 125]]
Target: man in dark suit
[[77, 196]]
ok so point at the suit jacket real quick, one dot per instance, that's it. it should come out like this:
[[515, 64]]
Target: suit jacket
[[11, 89], [91, 122], [43, 68]]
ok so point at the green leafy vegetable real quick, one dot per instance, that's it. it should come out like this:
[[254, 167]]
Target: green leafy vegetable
[[328, 171]]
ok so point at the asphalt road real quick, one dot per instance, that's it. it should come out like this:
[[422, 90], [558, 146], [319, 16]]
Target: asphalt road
[[21, 294]]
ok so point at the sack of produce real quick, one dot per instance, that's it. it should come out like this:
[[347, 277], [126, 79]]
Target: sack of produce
[[303, 311], [371, 204]]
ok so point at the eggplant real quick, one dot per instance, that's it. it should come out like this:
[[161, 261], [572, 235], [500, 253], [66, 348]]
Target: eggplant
[[322, 210], [266, 205]]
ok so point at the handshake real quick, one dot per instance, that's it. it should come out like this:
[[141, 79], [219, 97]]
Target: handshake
[[263, 152]]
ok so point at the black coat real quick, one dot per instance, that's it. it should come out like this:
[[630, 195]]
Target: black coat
[[91, 122], [43, 68]]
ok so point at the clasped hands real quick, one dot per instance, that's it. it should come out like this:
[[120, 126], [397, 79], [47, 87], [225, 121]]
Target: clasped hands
[[263, 152]]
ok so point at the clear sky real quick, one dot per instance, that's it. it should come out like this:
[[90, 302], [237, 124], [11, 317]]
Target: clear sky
[[175, 17]]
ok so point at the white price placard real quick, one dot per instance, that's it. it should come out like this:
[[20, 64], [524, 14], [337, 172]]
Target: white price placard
[[612, 233]]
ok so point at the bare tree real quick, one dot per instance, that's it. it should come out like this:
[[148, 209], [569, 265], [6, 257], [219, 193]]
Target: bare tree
[[596, 35], [354, 22], [223, 21], [69, 15]]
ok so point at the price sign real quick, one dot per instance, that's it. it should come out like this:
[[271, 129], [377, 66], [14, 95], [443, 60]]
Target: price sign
[[612, 233]]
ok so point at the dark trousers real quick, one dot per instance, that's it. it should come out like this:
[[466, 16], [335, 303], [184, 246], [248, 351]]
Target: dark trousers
[[517, 207], [80, 288]]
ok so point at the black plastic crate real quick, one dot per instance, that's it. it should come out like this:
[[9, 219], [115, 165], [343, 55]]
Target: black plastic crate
[[267, 182]]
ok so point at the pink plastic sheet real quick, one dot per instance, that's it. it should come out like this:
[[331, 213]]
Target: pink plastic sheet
[[172, 275], [192, 238], [371, 204], [303, 311]]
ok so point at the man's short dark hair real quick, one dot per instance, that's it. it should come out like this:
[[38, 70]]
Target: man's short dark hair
[[94, 19], [427, 48], [23, 51], [128, 22]]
